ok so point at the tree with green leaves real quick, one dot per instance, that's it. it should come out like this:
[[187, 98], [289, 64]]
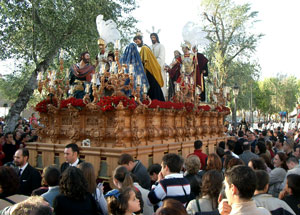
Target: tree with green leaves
[[276, 94], [231, 45], [34, 31], [227, 25]]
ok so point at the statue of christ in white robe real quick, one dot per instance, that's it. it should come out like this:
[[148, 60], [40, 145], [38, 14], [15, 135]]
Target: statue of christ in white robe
[[159, 52]]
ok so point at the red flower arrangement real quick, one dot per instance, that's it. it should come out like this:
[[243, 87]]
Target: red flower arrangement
[[222, 108], [73, 101], [42, 106], [111, 102], [204, 107], [169, 105], [189, 106]]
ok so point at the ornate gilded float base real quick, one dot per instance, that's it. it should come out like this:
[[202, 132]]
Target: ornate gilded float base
[[145, 133]]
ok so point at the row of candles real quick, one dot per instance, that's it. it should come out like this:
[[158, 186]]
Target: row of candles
[[52, 78]]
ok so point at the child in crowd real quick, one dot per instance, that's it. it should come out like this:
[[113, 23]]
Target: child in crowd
[[125, 204]]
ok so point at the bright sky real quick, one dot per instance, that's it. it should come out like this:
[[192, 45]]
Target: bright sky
[[277, 51]]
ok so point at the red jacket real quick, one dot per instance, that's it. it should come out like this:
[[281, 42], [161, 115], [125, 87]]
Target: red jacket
[[201, 156]]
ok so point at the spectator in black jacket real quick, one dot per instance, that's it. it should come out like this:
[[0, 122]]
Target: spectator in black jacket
[[30, 178], [137, 168]]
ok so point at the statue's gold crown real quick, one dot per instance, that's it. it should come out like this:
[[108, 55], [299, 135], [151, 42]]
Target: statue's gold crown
[[187, 44], [101, 41]]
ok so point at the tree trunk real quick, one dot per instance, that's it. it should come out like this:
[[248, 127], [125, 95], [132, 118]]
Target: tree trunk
[[26, 93]]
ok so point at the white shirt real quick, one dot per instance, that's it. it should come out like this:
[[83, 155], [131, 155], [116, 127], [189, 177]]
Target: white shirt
[[248, 208], [75, 163], [23, 168]]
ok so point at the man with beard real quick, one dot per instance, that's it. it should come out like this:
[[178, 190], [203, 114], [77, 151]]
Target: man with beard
[[201, 71], [159, 52], [80, 73], [152, 70], [30, 178]]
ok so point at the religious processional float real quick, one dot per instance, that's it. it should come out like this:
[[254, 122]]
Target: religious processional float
[[107, 126]]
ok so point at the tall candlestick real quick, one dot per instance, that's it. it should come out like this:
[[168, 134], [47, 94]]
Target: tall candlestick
[[145, 89]]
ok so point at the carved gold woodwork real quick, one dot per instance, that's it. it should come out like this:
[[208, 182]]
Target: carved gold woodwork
[[142, 130]]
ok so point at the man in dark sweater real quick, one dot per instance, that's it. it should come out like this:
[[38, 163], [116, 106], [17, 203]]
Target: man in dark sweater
[[9, 148], [137, 168]]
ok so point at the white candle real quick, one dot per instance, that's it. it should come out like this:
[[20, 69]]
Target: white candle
[[117, 43], [67, 74], [61, 55], [167, 84], [53, 75], [112, 68], [177, 87], [87, 88], [197, 91], [191, 80], [145, 89], [186, 80], [138, 80], [103, 68], [131, 69], [40, 76], [215, 98], [52, 83], [71, 90], [94, 80]]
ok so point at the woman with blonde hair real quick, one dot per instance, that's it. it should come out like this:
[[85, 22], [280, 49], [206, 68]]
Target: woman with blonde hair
[[192, 165]]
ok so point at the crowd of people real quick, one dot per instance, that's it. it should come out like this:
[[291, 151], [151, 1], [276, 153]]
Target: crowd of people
[[253, 172]]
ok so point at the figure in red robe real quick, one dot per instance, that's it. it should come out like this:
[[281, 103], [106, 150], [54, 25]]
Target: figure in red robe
[[202, 70]]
